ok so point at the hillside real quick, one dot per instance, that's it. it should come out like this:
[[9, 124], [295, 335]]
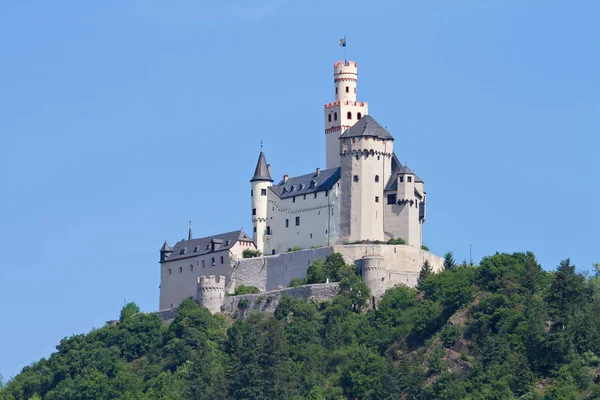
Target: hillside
[[504, 329]]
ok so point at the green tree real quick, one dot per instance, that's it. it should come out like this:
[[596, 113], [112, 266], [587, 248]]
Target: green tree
[[128, 310], [426, 270], [316, 272], [245, 289], [449, 262]]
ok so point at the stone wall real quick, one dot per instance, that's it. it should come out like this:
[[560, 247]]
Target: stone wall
[[268, 301]]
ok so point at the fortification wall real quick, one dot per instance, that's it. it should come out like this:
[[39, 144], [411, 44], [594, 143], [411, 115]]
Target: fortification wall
[[268, 301]]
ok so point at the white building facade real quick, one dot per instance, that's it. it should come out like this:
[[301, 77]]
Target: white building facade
[[365, 194]]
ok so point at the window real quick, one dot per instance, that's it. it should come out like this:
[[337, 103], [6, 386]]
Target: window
[[304, 197], [358, 116], [213, 261], [326, 193], [180, 269], [170, 272], [329, 118], [273, 251], [401, 179], [222, 259], [268, 230], [297, 221], [311, 235], [376, 178], [251, 193], [354, 90], [357, 157], [315, 195], [336, 90], [355, 179], [391, 199], [287, 223], [378, 157], [347, 89], [349, 115], [254, 211], [335, 116], [326, 231], [254, 229], [203, 265], [191, 267], [294, 199], [409, 178], [376, 199]]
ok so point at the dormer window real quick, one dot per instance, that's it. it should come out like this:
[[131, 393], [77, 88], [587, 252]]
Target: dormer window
[[196, 249], [312, 184], [284, 191], [301, 186], [292, 188]]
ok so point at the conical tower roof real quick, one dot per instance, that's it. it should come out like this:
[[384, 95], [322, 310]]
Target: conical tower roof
[[261, 173], [405, 170], [166, 248]]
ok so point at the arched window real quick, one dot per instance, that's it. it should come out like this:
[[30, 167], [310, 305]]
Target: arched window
[[336, 90], [347, 89], [354, 90], [358, 116], [349, 115], [335, 116], [376, 178], [329, 117]]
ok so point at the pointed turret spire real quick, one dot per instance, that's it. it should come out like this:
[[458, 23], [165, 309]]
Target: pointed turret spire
[[261, 173], [190, 231], [165, 251]]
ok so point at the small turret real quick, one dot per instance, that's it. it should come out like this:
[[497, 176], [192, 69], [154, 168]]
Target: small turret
[[260, 183], [165, 251], [211, 292]]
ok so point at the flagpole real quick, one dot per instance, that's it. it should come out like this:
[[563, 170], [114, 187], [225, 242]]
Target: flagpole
[[345, 50]]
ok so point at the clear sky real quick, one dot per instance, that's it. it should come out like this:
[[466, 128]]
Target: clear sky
[[120, 120]]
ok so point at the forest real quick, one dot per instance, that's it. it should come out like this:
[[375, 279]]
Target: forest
[[503, 329]]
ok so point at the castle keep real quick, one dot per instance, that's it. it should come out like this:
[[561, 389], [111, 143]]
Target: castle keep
[[363, 196]]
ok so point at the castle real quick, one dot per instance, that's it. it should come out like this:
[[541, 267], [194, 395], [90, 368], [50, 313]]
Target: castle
[[362, 199]]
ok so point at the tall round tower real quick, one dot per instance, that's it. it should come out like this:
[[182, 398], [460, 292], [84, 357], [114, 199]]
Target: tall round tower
[[342, 113], [366, 152], [211, 292], [260, 183]]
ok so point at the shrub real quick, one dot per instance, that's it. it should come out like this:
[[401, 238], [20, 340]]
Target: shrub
[[423, 247], [249, 253], [243, 304], [396, 241], [297, 281], [260, 299], [243, 289], [293, 249], [450, 334]]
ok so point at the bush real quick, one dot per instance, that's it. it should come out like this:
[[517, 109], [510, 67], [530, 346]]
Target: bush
[[249, 253], [293, 249], [260, 299], [243, 304], [450, 334], [423, 247], [297, 281], [396, 241], [243, 289]]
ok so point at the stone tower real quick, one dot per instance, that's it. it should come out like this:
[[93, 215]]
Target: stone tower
[[211, 292], [366, 153], [342, 113], [260, 183], [411, 206]]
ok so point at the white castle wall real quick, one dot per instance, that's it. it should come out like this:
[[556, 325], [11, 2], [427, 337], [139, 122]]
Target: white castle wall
[[178, 278], [319, 221]]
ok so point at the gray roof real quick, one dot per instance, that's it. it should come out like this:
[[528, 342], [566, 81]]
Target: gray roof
[[367, 126], [196, 247], [398, 168], [166, 248], [309, 183], [261, 173]]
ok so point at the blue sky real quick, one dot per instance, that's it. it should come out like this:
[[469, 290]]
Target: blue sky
[[121, 120]]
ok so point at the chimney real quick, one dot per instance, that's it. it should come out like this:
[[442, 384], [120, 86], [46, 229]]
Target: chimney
[[318, 171], [285, 178]]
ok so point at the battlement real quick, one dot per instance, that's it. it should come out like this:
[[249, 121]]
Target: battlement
[[347, 103], [345, 66]]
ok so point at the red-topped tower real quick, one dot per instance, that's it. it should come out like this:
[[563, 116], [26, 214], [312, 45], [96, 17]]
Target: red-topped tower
[[344, 111]]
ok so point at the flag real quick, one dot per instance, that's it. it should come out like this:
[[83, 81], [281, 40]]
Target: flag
[[343, 42]]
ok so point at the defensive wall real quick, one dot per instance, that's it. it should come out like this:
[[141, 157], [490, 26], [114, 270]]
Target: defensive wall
[[268, 301]]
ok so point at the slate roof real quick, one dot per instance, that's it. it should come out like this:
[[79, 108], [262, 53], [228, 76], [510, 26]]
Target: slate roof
[[309, 183], [196, 247], [398, 168], [367, 126], [261, 173], [166, 248]]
